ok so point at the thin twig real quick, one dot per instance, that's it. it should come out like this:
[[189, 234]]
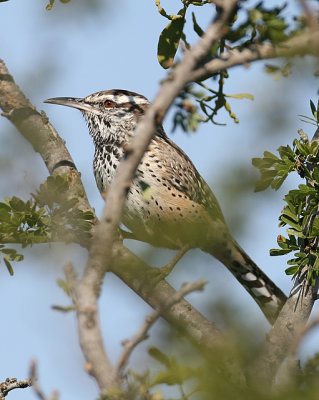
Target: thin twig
[[142, 334], [11, 384], [36, 386]]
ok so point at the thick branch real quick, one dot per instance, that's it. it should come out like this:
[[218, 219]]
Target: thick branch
[[40, 134], [132, 270], [281, 338]]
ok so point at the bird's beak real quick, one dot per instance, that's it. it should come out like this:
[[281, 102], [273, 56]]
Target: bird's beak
[[70, 102]]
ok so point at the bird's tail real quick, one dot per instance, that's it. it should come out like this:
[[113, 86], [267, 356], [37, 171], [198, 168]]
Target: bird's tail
[[262, 289]]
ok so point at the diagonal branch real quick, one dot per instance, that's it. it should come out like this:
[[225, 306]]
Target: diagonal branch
[[142, 334], [189, 321], [36, 386]]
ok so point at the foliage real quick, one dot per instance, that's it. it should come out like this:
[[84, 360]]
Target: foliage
[[250, 26], [51, 3], [49, 216], [189, 374], [301, 210]]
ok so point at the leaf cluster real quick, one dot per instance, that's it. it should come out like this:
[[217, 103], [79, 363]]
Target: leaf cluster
[[49, 216], [301, 210], [212, 376], [250, 25]]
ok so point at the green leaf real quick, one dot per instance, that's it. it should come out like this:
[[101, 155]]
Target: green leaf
[[169, 40], [196, 27], [63, 309], [64, 286], [302, 148], [294, 232], [9, 266], [17, 204], [290, 214], [263, 184], [241, 96], [313, 108], [50, 5], [286, 152], [177, 374], [292, 270], [268, 154], [277, 182], [279, 252], [165, 377], [282, 242], [159, 356], [293, 224]]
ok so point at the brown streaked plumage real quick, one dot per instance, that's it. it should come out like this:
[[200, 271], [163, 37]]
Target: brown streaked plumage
[[169, 204]]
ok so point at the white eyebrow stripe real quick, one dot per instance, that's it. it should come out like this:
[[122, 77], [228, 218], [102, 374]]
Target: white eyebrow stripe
[[122, 99]]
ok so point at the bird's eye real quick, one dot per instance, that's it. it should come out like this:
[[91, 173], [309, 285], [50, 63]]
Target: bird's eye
[[109, 104]]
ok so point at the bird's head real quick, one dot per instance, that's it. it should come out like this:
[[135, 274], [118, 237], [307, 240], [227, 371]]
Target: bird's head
[[109, 112]]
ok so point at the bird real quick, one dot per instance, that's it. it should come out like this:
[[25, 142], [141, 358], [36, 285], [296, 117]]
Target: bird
[[168, 204]]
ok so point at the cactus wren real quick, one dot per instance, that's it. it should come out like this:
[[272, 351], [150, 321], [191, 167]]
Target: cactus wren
[[169, 204]]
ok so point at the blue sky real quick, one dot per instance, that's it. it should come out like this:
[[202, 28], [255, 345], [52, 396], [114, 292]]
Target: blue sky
[[68, 53]]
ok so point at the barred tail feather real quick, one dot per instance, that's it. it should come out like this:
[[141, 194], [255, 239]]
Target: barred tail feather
[[262, 289]]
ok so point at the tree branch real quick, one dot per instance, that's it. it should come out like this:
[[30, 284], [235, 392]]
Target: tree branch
[[35, 384], [131, 270], [300, 45], [142, 334], [35, 128], [11, 384], [91, 341], [282, 336]]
